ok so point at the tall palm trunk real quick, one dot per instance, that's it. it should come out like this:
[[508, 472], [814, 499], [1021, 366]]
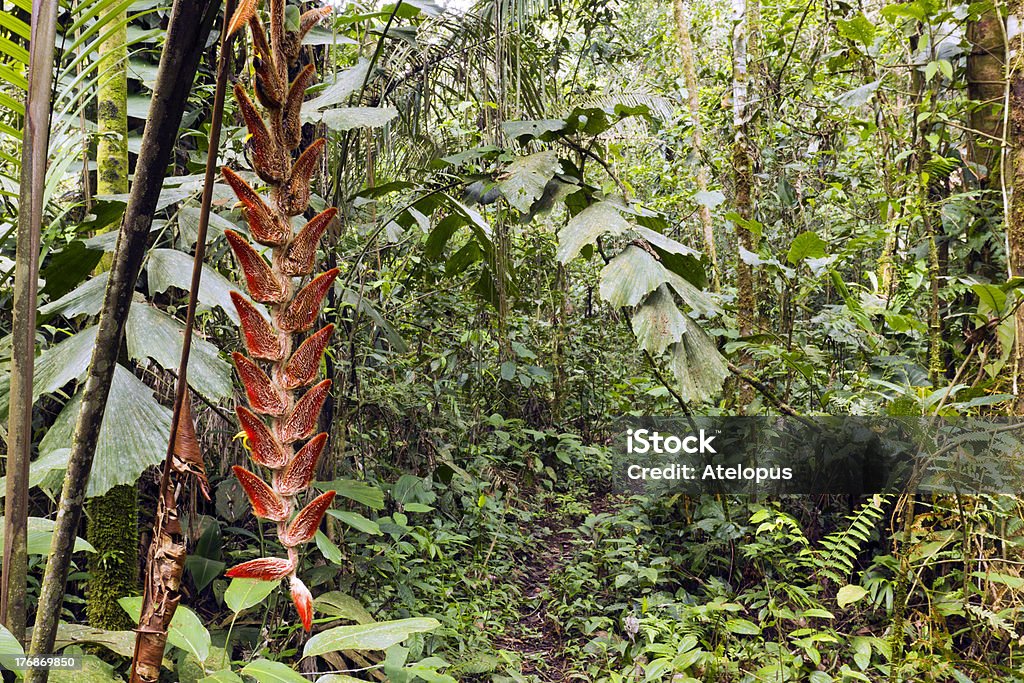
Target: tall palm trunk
[[112, 518], [742, 167], [14, 568], [693, 101]]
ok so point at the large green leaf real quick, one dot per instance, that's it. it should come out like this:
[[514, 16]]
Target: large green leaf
[[94, 670], [630, 276], [188, 225], [245, 593], [40, 534], [361, 492], [86, 299], [225, 676], [55, 367], [170, 267], [187, 631], [524, 180], [151, 333], [698, 366], [343, 606], [377, 636], [133, 435], [347, 118], [9, 649], [266, 671], [336, 91], [585, 227], [658, 322], [118, 642]]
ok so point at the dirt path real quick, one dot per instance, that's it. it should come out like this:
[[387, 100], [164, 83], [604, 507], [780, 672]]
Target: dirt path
[[538, 637]]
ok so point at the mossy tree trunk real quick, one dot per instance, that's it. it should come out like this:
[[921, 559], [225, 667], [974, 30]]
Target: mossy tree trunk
[[112, 519], [112, 527]]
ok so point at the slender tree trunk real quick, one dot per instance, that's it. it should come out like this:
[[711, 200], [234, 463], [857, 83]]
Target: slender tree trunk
[[923, 100], [742, 166], [1015, 177], [113, 517], [35, 141], [693, 101], [188, 28]]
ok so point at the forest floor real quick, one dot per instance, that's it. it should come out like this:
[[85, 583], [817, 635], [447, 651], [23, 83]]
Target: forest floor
[[538, 637]]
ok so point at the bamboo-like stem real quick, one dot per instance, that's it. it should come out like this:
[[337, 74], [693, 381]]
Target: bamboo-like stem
[[36, 137]]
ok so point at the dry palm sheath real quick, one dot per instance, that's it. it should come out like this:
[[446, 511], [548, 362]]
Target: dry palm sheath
[[276, 420]]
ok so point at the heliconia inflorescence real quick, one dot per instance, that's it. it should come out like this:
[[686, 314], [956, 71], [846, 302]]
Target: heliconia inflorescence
[[276, 368]]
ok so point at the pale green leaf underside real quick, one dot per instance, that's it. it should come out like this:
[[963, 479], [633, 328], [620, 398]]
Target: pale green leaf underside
[[586, 226], [525, 179], [378, 636], [630, 276], [151, 333], [133, 435], [170, 267], [658, 322]]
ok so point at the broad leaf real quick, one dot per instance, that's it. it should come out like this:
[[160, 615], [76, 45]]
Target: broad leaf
[[658, 323], [151, 333], [187, 631], [133, 436], [698, 366], [9, 649], [361, 492], [806, 245], [849, 594], [347, 118], [378, 636], [245, 593], [356, 521], [343, 606], [524, 180], [86, 299], [55, 367], [172, 268], [630, 276], [339, 89], [585, 227], [40, 535], [266, 671]]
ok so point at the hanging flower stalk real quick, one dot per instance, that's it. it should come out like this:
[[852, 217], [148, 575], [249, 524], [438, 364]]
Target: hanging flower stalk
[[277, 368]]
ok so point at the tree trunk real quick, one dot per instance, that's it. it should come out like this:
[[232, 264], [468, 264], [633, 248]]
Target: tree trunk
[[1015, 180], [35, 141], [693, 100], [112, 529], [188, 28], [112, 518], [742, 166], [985, 84]]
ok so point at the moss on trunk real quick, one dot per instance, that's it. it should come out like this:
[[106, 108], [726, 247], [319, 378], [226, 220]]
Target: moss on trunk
[[112, 528]]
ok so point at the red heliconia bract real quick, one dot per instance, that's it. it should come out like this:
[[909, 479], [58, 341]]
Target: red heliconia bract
[[305, 524], [301, 252], [264, 500], [302, 419], [302, 311], [264, 286], [260, 338], [302, 367], [263, 447], [277, 365], [298, 475], [264, 396], [303, 600], [266, 226], [263, 568]]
